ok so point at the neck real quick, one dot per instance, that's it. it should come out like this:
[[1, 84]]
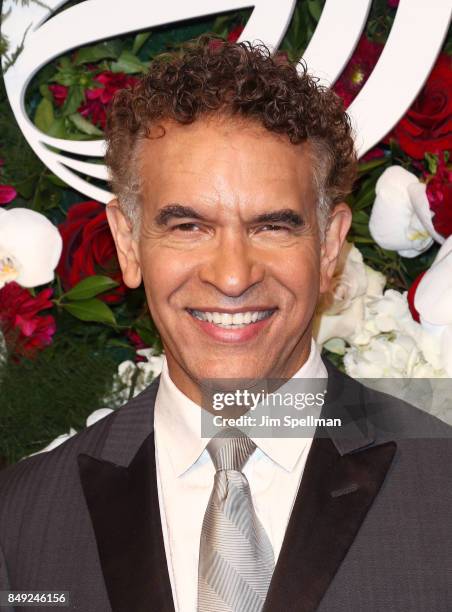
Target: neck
[[192, 387]]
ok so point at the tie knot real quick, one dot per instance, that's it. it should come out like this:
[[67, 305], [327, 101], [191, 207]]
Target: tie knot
[[230, 449]]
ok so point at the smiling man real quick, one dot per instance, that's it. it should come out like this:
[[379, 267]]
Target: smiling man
[[230, 170], [230, 245]]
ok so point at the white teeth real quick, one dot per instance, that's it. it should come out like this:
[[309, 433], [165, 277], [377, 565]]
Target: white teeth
[[231, 321]]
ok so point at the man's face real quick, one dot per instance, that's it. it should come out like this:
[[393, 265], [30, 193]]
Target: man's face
[[229, 250]]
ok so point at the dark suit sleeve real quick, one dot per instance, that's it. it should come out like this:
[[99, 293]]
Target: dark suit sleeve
[[4, 581]]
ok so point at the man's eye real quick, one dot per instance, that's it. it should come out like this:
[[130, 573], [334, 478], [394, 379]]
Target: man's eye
[[186, 227], [274, 228]]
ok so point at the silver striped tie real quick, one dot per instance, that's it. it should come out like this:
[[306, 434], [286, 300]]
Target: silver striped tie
[[236, 558]]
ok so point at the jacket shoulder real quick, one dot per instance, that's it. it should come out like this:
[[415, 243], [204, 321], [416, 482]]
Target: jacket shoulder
[[41, 472], [38, 467], [383, 403]]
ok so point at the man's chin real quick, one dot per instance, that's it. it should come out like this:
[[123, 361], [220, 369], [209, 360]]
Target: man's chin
[[230, 371]]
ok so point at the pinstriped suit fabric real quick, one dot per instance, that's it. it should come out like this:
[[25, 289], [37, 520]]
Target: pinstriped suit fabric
[[236, 559]]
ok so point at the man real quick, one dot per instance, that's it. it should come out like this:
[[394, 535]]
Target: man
[[230, 171]]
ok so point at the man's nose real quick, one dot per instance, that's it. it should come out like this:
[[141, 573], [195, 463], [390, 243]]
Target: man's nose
[[233, 266]]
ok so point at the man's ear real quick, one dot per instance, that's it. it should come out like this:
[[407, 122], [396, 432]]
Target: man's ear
[[126, 244], [338, 225]]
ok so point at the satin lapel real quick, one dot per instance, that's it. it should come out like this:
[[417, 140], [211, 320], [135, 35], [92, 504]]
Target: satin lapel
[[335, 495], [124, 509], [120, 488]]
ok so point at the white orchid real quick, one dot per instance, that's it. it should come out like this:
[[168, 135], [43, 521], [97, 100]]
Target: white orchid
[[30, 247], [390, 343], [137, 375], [375, 332], [341, 311], [433, 302], [401, 219], [383, 356]]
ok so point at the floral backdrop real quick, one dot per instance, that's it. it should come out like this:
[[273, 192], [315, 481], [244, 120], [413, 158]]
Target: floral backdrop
[[75, 343]]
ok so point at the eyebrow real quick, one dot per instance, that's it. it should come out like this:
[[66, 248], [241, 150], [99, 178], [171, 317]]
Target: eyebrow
[[178, 211]]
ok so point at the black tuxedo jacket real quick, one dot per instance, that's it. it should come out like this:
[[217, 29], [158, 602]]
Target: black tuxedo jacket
[[370, 529]]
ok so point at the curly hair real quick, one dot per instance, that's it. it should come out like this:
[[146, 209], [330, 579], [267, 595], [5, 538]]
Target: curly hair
[[212, 77]]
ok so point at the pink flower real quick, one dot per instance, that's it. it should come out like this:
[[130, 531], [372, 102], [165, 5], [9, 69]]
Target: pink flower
[[59, 93], [232, 37], [25, 331], [393, 3], [234, 34], [358, 69], [136, 340], [439, 194], [7, 194], [98, 98]]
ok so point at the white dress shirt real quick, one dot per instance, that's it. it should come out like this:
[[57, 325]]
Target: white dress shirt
[[185, 475]]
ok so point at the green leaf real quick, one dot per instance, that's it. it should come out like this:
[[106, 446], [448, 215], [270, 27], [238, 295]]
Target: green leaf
[[315, 8], [364, 200], [363, 240], [90, 286], [360, 217], [58, 129], [105, 50], [46, 195], [432, 162], [129, 63], [221, 25], [65, 62], [67, 74], [91, 310], [52, 178], [139, 41], [45, 92], [74, 98], [26, 187], [44, 116], [84, 125], [370, 165]]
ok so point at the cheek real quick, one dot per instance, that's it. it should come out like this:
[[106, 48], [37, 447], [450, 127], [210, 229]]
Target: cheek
[[300, 271], [300, 277], [164, 272]]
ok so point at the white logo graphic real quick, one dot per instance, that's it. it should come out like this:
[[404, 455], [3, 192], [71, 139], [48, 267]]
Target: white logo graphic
[[408, 56]]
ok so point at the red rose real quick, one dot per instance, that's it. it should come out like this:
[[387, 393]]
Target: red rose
[[375, 153], [25, 332], [411, 294], [98, 98], [88, 248], [427, 126], [358, 69], [439, 194]]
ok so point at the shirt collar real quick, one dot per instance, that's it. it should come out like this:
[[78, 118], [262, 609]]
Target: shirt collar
[[177, 422]]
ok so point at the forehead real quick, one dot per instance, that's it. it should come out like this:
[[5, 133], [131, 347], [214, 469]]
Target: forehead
[[226, 158]]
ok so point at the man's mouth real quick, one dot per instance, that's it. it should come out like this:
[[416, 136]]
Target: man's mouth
[[227, 320]]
